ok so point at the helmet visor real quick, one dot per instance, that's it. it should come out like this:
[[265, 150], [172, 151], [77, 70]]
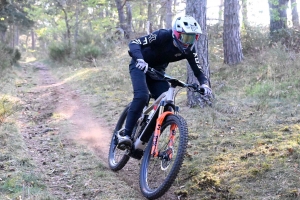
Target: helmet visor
[[187, 39]]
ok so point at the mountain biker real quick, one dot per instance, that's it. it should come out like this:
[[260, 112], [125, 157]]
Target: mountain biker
[[157, 50]]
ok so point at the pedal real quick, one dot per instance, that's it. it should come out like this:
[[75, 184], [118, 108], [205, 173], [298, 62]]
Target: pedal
[[123, 147]]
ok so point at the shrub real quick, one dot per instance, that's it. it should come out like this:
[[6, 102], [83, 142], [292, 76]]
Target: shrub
[[89, 45], [16, 56], [5, 61], [88, 52], [289, 38], [254, 39], [59, 51], [8, 56]]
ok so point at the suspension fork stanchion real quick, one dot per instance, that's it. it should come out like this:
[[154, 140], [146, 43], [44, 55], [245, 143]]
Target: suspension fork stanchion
[[172, 139], [159, 121]]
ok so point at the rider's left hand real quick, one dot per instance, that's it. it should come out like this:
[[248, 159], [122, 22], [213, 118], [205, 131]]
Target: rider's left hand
[[207, 90]]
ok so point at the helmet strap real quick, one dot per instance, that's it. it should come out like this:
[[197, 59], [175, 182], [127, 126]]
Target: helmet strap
[[179, 46]]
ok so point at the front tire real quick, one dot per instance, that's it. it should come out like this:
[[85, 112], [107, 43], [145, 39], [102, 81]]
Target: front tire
[[118, 158], [158, 174]]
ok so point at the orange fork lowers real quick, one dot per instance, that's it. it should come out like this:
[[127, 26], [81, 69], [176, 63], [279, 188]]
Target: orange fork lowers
[[160, 119]]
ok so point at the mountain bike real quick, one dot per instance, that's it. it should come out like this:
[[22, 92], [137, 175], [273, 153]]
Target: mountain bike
[[160, 139]]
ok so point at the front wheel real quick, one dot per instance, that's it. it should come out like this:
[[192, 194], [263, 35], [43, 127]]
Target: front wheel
[[118, 158], [157, 174]]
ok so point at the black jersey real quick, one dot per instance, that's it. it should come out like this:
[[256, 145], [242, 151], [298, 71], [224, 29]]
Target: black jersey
[[158, 50]]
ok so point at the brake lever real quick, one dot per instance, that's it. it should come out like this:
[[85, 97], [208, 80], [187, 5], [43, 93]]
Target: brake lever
[[197, 88]]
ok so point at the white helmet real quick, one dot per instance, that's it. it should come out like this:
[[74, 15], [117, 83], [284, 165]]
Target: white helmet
[[185, 31]]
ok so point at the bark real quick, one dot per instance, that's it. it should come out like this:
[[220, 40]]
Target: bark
[[122, 19], [278, 16], [2, 35], [61, 5], [76, 26], [68, 28], [162, 14], [149, 10], [245, 13], [168, 14], [231, 36], [197, 9], [221, 11], [16, 35], [141, 13], [150, 20], [295, 16], [32, 40], [129, 19]]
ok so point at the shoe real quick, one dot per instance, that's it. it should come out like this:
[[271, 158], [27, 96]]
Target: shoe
[[125, 141]]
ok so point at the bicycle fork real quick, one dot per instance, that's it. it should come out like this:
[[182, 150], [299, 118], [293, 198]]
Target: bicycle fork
[[168, 153]]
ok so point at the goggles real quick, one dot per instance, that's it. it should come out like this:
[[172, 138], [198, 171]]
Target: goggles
[[187, 38]]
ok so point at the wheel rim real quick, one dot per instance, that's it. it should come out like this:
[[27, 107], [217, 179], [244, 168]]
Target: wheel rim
[[159, 168], [117, 154]]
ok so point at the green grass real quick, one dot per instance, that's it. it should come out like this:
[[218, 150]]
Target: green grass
[[21, 174], [16, 176], [246, 146]]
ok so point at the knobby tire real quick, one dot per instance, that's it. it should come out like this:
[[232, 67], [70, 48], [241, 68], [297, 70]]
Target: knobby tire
[[117, 158], [154, 181]]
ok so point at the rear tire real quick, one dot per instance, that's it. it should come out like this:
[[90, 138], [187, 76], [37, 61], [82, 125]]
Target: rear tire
[[118, 158], [157, 175]]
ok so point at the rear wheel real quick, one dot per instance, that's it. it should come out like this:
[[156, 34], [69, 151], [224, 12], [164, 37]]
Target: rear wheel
[[158, 174], [118, 158]]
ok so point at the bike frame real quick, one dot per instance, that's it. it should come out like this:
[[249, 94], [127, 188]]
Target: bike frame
[[157, 117], [157, 109], [153, 116]]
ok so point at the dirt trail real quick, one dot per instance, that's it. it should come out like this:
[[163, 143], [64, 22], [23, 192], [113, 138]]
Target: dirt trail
[[51, 97], [59, 132], [88, 129]]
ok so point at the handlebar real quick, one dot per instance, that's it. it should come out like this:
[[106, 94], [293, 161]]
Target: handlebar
[[175, 82]]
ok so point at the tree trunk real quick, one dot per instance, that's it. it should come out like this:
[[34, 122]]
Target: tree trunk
[[13, 35], [32, 40], [295, 16], [2, 34], [245, 14], [197, 9], [61, 5], [129, 19], [76, 26], [231, 36], [221, 12], [122, 19], [16, 36], [168, 14], [68, 28], [278, 16], [141, 14], [150, 20], [162, 14]]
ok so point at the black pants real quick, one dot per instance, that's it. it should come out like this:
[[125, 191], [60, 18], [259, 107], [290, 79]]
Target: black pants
[[142, 85]]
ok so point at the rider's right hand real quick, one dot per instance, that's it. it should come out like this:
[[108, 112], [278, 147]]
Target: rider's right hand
[[142, 65]]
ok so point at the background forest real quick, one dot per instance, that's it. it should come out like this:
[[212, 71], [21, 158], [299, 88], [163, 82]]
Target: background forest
[[244, 146]]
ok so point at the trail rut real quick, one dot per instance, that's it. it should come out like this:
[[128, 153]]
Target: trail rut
[[69, 170]]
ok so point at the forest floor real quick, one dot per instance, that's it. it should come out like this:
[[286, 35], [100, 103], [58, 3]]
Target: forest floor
[[246, 146], [68, 145]]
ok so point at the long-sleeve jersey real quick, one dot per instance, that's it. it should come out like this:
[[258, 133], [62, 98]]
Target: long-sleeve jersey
[[158, 50]]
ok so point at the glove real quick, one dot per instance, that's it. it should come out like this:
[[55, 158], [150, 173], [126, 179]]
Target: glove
[[142, 65], [207, 90]]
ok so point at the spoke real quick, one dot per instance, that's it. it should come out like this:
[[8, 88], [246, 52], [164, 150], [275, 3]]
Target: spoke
[[159, 168]]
